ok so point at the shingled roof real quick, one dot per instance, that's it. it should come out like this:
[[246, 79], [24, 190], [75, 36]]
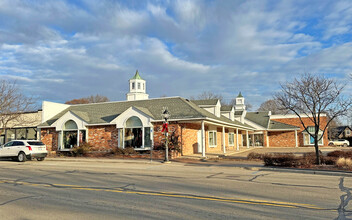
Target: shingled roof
[[206, 101], [103, 113], [263, 119], [275, 125], [260, 118]]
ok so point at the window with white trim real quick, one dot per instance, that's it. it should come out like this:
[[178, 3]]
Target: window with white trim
[[212, 138], [309, 140], [231, 139]]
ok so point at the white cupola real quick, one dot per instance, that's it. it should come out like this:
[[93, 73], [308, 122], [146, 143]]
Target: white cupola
[[240, 102], [137, 88]]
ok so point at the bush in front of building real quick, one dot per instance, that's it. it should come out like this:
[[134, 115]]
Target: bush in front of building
[[82, 150], [340, 153], [291, 160], [282, 160], [345, 163], [255, 156]]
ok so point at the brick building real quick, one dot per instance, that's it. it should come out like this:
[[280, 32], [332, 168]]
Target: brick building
[[200, 126], [284, 130]]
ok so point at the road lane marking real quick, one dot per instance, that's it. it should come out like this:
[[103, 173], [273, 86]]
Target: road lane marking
[[173, 195]]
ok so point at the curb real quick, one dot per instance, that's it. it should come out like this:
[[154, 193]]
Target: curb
[[303, 171], [105, 160]]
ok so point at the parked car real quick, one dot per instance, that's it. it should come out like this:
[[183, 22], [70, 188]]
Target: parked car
[[339, 142], [22, 150]]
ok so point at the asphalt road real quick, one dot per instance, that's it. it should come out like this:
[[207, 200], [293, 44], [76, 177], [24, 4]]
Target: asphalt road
[[120, 189]]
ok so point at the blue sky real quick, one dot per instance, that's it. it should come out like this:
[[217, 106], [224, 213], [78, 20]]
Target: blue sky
[[61, 50]]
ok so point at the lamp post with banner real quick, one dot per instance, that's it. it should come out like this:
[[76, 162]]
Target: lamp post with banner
[[166, 115]]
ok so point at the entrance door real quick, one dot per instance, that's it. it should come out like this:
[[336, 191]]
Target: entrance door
[[199, 140]]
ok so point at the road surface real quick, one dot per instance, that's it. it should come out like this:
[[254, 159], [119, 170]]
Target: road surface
[[121, 189]]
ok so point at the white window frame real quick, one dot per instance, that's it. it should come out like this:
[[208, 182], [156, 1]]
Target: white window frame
[[307, 134], [215, 138], [233, 138]]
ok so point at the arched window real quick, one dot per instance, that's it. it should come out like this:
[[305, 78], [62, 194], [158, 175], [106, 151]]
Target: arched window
[[70, 135], [70, 125], [135, 135], [133, 122]]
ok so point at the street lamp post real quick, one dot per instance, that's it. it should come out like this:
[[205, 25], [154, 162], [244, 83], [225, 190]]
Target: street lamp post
[[166, 116]]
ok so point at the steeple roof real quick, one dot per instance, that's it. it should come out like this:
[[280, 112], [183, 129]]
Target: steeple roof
[[137, 76], [240, 95]]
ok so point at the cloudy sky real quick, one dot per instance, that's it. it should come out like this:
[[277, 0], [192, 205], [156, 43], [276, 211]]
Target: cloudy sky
[[60, 50]]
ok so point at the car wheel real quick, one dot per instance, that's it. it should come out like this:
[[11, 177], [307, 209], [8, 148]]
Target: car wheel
[[345, 145], [40, 158], [21, 157], [331, 144]]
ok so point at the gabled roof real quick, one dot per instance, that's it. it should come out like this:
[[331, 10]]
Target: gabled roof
[[206, 101], [104, 113], [226, 108], [263, 119], [275, 125], [337, 131], [260, 118]]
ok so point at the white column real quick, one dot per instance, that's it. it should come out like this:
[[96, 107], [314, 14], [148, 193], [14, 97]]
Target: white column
[[223, 140], [267, 139], [296, 138], [203, 140], [253, 143], [247, 139], [237, 144], [78, 137], [142, 137], [123, 138]]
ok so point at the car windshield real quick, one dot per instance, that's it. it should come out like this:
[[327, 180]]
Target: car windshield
[[35, 143]]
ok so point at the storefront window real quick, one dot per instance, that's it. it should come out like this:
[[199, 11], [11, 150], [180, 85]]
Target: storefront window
[[31, 134], [70, 134], [21, 134], [147, 137], [10, 135], [133, 135]]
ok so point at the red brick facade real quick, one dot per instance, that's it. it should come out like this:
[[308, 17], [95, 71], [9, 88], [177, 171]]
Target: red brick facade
[[105, 137], [50, 138], [287, 138]]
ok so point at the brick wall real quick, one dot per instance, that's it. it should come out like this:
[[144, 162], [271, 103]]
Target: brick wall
[[296, 122], [189, 138], [103, 138], [282, 139], [49, 136]]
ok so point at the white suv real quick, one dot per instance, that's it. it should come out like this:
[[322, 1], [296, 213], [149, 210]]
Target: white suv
[[23, 150], [339, 142]]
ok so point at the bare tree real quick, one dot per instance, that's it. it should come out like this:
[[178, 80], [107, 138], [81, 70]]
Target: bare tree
[[312, 96], [273, 106], [12, 106], [90, 99], [207, 95]]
